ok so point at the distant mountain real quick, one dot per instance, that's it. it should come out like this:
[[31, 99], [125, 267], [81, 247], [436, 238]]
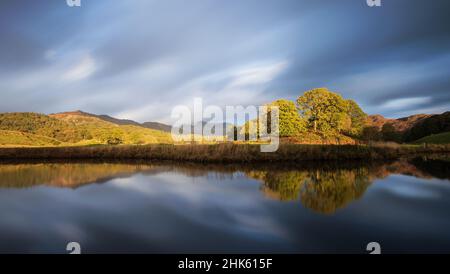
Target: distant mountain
[[227, 128], [157, 126], [107, 118], [116, 121]]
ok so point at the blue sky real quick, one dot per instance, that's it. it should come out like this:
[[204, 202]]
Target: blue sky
[[137, 59]]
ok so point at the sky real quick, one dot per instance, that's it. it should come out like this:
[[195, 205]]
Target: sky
[[137, 59]]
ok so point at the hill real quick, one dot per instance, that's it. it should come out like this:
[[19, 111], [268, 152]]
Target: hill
[[113, 120], [400, 125], [16, 138], [157, 126], [72, 128], [120, 122], [82, 128], [411, 128], [434, 124], [42, 125], [112, 130]]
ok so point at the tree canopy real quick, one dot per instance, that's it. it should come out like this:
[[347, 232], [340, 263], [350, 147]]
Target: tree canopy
[[328, 113], [358, 119], [291, 123]]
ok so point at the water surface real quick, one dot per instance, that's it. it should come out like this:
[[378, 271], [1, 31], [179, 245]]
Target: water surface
[[173, 208]]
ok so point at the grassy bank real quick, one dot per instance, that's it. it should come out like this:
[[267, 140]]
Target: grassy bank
[[442, 138], [223, 153]]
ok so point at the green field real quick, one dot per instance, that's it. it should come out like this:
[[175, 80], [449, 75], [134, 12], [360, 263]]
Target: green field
[[441, 138]]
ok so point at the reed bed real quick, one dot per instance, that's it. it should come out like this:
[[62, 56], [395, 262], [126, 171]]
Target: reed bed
[[222, 153]]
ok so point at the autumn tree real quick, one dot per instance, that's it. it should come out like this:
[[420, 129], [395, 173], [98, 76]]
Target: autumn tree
[[324, 111], [389, 133], [291, 124], [249, 130], [371, 133], [357, 119]]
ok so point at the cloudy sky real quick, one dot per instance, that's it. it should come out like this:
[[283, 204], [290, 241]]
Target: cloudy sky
[[137, 59]]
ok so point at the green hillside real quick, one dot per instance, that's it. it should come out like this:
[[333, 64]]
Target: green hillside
[[441, 138], [434, 124], [16, 138], [72, 128], [40, 124]]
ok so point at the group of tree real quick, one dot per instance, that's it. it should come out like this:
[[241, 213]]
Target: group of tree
[[321, 112], [386, 133], [328, 113]]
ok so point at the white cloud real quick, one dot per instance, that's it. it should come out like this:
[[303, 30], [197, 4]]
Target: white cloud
[[83, 69], [257, 74], [432, 110], [151, 112], [244, 85], [404, 103]]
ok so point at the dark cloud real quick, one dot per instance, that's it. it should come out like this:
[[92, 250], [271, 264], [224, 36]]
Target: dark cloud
[[139, 58], [354, 39]]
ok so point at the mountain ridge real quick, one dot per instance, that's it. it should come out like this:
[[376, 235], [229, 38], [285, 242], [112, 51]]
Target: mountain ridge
[[117, 121], [400, 124], [411, 128]]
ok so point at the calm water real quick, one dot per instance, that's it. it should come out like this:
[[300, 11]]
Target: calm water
[[167, 208]]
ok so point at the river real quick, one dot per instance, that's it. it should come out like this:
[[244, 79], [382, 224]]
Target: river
[[139, 207]]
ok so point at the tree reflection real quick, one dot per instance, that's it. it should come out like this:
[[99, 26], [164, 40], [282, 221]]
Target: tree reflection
[[327, 191], [323, 191]]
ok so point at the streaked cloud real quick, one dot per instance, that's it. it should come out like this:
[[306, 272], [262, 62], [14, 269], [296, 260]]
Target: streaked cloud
[[137, 59], [257, 75], [399, 104], [83, 69]]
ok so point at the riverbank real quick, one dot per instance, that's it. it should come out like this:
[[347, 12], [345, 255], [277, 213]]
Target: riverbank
[[223, 153]]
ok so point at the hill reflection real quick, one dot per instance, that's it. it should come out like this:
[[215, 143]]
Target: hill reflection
[[321, 187], [70, 175]]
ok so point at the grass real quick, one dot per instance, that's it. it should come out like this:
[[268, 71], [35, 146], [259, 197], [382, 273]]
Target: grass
[[441, 138], [223, 153]]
